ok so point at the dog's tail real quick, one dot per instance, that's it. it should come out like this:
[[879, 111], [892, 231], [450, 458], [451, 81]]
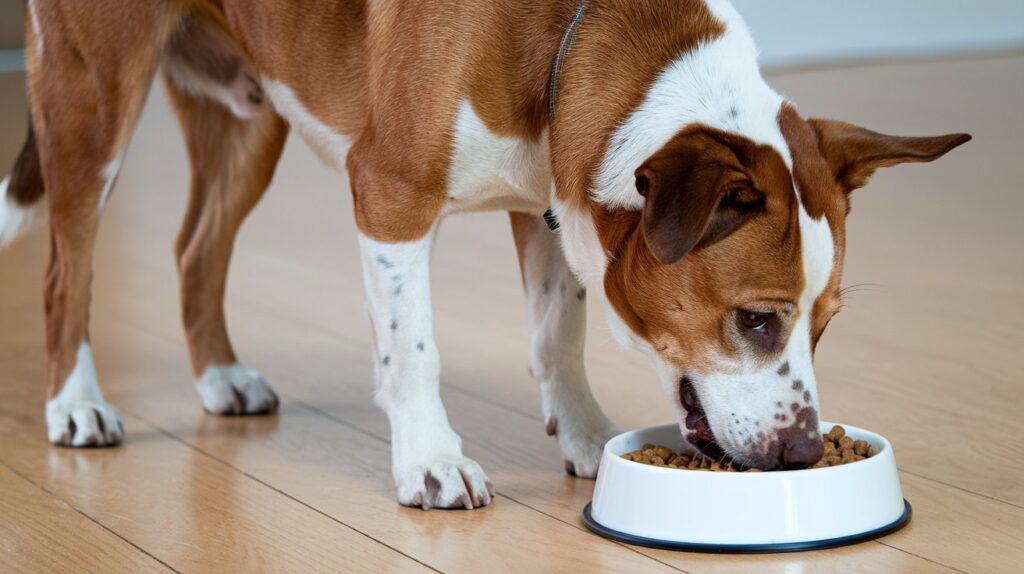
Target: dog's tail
[[21, 194]]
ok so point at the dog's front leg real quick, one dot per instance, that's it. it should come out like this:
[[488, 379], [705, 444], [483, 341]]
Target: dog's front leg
[[556, 306], [426, 454]]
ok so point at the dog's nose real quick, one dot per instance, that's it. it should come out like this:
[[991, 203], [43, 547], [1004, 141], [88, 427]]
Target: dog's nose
[[801, 451]]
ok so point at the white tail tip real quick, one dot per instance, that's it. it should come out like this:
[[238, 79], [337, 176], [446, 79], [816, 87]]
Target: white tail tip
[[15, 219]]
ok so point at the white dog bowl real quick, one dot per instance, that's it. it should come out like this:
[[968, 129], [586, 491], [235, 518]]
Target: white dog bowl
[[744, 512]]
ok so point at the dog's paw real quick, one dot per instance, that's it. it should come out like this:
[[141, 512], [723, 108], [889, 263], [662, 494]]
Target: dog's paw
[[582, 444], [444, 482], [78, 416], [235, 390], [83, 423]]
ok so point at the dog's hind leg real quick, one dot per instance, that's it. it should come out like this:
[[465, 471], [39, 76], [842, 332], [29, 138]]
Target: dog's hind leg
[[88, 80], [233, 147], [556, 309]]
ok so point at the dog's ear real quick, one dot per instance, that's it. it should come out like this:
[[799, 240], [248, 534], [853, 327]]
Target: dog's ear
[[854, 153], [696, 193]]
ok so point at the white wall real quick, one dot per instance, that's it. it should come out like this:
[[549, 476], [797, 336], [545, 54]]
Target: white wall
[[800, 32]]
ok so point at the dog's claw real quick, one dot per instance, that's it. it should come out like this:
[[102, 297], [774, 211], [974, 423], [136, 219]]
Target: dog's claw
[[570, 468], [450, 482]]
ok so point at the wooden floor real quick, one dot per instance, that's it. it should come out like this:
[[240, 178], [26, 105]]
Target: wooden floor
[[929, 352]]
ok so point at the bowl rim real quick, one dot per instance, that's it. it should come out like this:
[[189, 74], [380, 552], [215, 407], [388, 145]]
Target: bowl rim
[[761, 548], [884, 446]]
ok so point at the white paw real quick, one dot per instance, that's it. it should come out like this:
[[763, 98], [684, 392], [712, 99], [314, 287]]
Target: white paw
[[581, 440], [444, 482], [235, 390], [83, 423], [78, 415]]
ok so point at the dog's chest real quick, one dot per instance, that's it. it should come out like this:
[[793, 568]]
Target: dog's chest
[[492, 172]]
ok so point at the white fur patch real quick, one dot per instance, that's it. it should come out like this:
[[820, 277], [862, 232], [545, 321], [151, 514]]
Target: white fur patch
[[818, 251], [330, 145], [494, 172], [233, 95], [109, 174], [427, 461], [580, 243], [15, 219], [717, 84], [235, 390], [78, 415]]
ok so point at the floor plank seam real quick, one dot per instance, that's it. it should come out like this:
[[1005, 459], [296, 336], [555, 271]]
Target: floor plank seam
[[339, 420], [87, 516], [576, 526], [299, 501], [978, 369], [962, 489], [953, 568]]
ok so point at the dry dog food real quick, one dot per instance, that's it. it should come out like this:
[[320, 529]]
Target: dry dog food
[[839, 449]]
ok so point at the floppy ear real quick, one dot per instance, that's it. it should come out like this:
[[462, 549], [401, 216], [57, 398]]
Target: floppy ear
[[696, 193], [854, 153]]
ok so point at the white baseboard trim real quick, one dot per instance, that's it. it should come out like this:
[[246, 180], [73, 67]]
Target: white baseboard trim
[[821, 33]]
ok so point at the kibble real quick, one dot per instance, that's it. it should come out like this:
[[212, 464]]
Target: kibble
[[839, 449]]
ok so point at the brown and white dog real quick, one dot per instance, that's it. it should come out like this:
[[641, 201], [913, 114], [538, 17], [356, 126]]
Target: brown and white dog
[[708, 210]]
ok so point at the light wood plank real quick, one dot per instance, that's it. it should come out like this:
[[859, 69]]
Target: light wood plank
[[41, 533]]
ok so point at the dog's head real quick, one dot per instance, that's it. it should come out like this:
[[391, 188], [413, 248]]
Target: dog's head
[[731, 271]]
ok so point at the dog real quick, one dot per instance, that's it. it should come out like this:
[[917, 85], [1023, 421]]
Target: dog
[[635, 144]]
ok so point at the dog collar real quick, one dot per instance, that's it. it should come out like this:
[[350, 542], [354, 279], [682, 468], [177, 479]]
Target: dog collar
[[568, 35]]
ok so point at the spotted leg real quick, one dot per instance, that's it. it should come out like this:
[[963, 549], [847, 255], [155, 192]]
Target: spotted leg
[[556, 308], [426, 454]]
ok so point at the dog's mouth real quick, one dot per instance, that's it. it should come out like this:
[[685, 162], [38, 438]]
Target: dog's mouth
[[700, 434]]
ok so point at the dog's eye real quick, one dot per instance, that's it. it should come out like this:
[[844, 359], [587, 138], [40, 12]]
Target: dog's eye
[[742, 197], [754, 320]]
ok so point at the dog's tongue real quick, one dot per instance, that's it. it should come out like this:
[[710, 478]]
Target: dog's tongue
[[697, 422]]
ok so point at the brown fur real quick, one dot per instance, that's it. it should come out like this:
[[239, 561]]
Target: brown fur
[[86, 91], [232, 163]]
